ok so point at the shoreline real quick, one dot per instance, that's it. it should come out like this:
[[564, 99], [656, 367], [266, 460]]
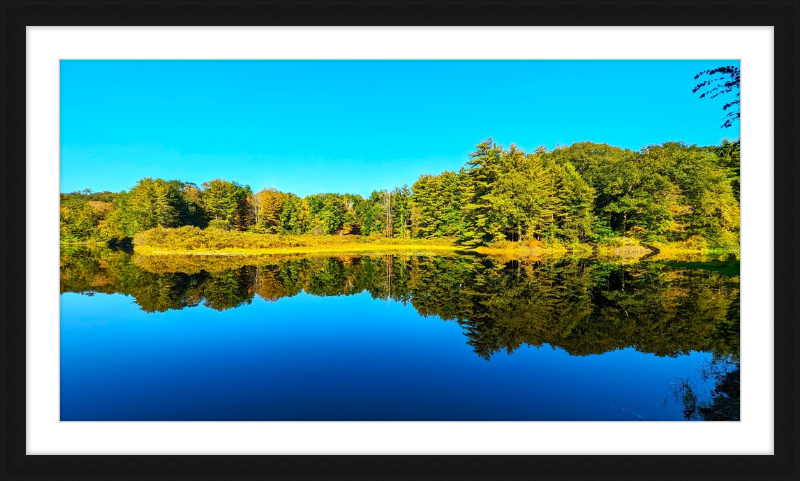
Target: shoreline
[[584, 250], [320, 249]]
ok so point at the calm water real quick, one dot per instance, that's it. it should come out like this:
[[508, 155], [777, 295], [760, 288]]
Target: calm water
[[387, 337]]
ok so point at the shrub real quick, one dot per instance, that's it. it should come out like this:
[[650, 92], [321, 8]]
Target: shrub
[[219, 224], [194, 238], [695, 242], [620, 241]]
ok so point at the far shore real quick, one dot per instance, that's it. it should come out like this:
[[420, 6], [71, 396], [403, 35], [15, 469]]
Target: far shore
[[333, 248], [508, 250]]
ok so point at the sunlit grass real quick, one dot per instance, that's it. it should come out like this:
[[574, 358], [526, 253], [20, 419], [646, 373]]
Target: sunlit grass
[[307, 249], [193, 241]]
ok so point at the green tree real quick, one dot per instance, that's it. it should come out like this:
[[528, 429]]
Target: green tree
[[709, 207], [401, 212], [193, 212], [294, 216], [227, 202], [155, 203], [632, 195], [374, 213], [83, 215], [482, 224], [521, 200], [573, 212], [352, 220], [728, 157], [327, 213], [425, 204]]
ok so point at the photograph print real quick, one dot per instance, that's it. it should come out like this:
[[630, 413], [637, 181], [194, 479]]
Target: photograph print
[[375, 240]]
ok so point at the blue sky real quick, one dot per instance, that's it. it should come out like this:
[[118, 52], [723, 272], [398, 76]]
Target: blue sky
[[355, 126]]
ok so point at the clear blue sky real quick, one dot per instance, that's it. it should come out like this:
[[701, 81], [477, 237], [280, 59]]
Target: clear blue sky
[[354, 126]]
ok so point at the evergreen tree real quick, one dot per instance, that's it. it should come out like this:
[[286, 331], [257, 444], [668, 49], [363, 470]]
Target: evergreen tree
[[482, 224], [294, 217], [155, 203], [573, 214], [226, 203]]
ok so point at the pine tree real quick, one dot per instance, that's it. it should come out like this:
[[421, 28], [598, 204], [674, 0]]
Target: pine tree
[[481, 173]]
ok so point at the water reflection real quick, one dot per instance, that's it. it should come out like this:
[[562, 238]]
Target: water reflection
[[583, 307]]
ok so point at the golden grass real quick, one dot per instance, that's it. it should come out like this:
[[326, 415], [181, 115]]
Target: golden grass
[[195, 242], [318, 249], [514, 250]]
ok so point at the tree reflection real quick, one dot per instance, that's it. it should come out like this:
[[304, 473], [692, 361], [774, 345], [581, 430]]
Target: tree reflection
[[584, 307], [722, 402]]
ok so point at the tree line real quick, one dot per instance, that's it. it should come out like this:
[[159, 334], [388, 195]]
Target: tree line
[[585, 192]]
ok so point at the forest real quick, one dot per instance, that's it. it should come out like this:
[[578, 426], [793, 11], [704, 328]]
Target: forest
[[577, 194]]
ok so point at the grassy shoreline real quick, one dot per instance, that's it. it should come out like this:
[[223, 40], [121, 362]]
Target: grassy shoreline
[[192, 241], [330, 248], [518, 250]]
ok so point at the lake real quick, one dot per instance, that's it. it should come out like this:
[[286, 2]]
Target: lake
[[390, 337]]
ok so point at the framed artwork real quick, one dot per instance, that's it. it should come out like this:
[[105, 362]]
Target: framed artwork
[[316, 240]]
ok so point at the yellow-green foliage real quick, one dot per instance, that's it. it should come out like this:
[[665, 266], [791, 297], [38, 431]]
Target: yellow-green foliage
[[695, 242], [193, 241], [699, 245], [194, 238], [623, 241], [189, 238]]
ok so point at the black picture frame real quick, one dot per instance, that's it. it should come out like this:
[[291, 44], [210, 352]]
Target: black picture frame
[[783, 15]]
